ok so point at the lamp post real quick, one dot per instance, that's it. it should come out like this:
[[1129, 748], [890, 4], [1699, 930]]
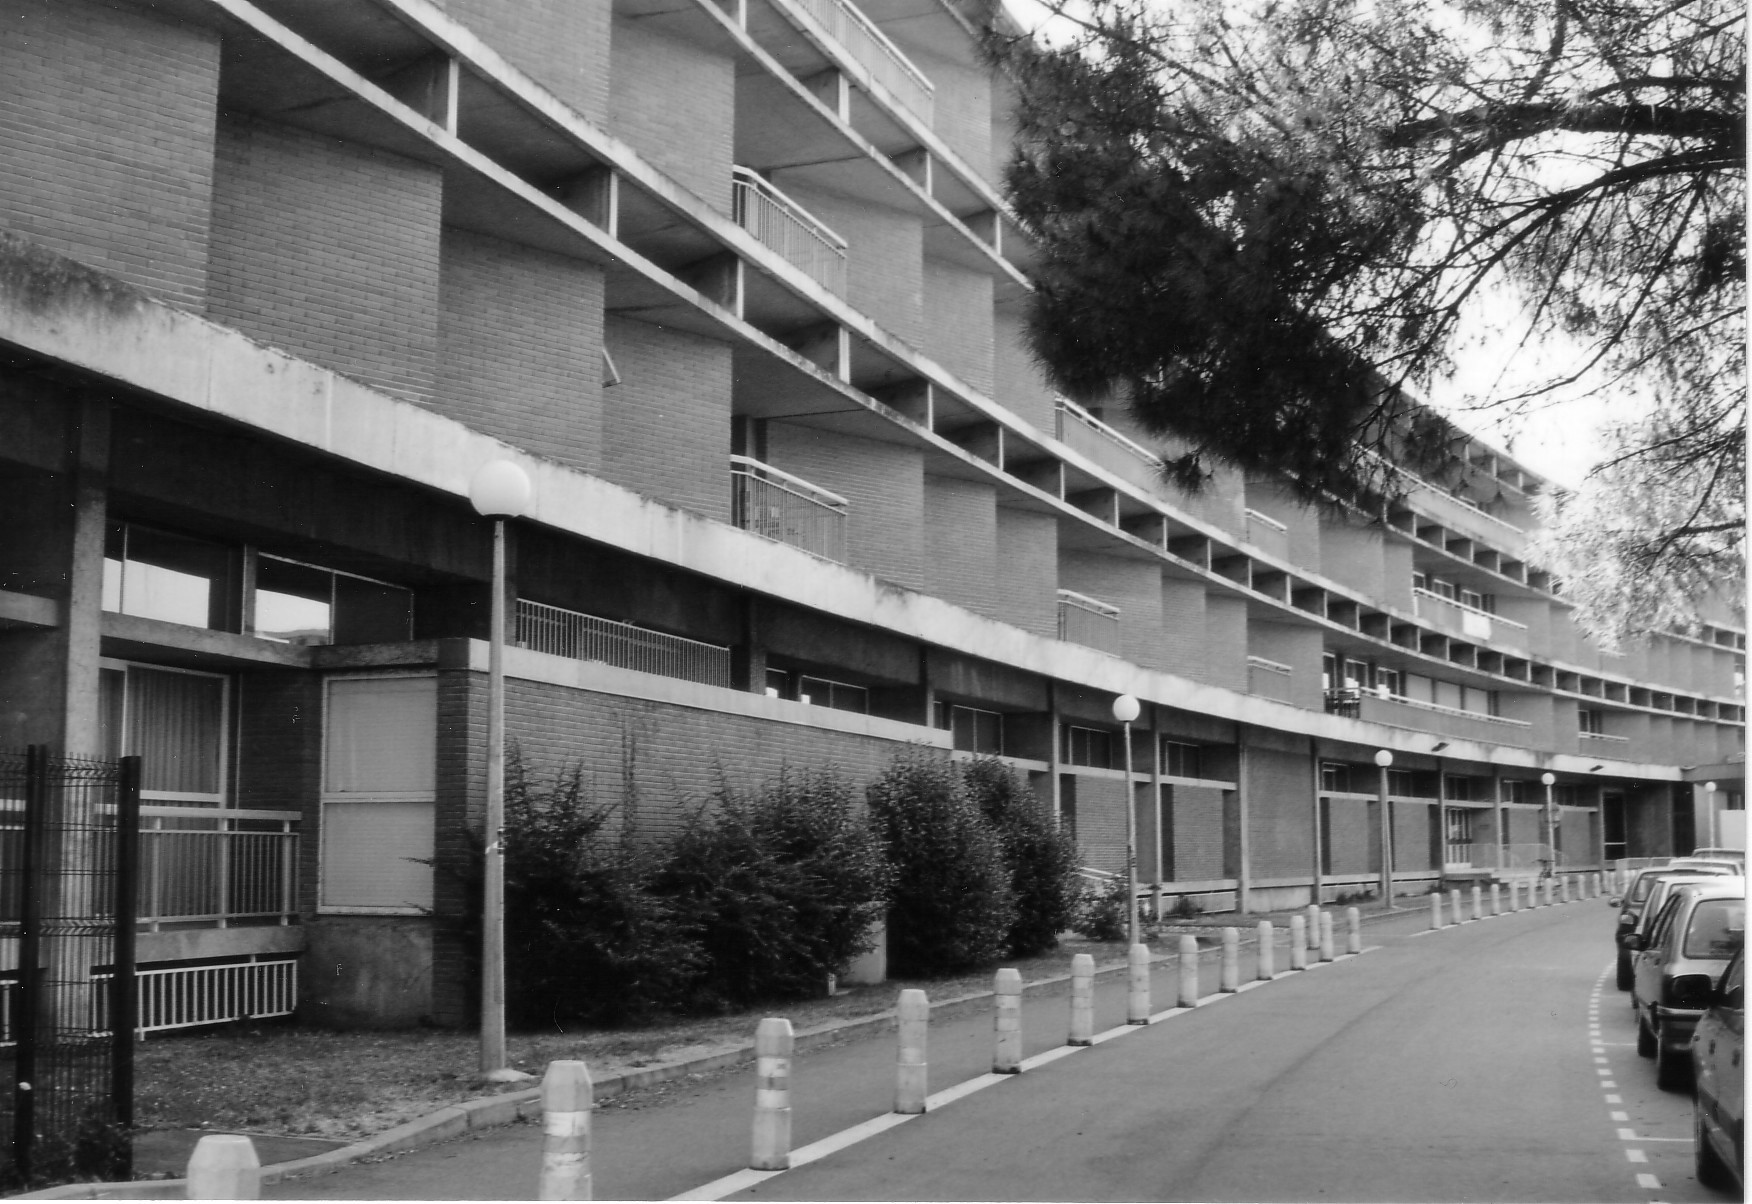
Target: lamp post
[[1709, 805], [1548, 780], [1383, 759], [499, 490], [1125, 709]]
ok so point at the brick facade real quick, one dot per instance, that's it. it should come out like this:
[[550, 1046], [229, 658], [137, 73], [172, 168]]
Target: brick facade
[[884, 484], [654, 78], [560, 44], [666, 426], [1199, 832], [961, 542]]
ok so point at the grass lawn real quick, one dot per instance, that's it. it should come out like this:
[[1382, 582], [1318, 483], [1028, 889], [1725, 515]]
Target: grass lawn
[[279, 1078]]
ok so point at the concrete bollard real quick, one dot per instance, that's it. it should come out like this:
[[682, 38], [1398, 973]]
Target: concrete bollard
[[772, 1095], [1353, 922], [1137, 995], [1327, 949], [1477, 902], [1455, 905], [1313, 913], [1551, 892], [912, 1070], [566, 1100], [1231, 972], [1496, 900], [1265, 938], [1436, 920], [224, 1166], [1082, 1000], [1188, 971], [1563, 889], [1007, 1023], [1514, 895], [1298, 943]]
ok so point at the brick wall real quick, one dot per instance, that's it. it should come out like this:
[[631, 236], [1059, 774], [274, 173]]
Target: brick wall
[[653, 79], [279, 758], [106, 136], [1135, 586], [1018, 385], [1199, 851], [1182, 647], [328, 250], [958, 322], [1225, 642], [961, 542], [1298, 647], [666, 426], [961, 107], [1027, 570], [561, 44], [884, 256], [1280, 814], [1351, 838], [884, 484], [1101, 822], [520, 347], [1350, 554], [1412, 825]]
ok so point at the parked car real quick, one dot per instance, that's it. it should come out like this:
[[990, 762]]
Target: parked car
[[1737, 856], [1676, 965], [1644, 898], [1719, 1110]]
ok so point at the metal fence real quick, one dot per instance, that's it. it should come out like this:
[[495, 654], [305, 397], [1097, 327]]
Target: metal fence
[[221, 868], [583, 637], [1084, 620], [784, 226], [70, 853], [879, 56], [773, 503]]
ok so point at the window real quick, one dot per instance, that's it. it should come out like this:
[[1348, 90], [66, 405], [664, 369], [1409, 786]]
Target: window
[[819, 691], [173, 578], [378, 778], [174, 720], [1086, 746], [1591, 722], [1517, 790], [1459, 789], [1388, 683], [971, 729], [1407, 783], [1181, 760], [1478, 601], [1356, 674], [302, 604], [1335, 776]]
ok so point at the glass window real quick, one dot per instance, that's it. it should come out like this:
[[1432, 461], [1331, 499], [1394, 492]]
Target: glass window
[[972, 729], [1086, 746], [1718, 927], [379, 770], [821, 692], [1181, 760], [1591, 721], [304, 604], [157, 575], [1335, 777], [174, 721]]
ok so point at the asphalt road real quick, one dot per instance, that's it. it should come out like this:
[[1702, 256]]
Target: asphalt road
[[1452, 1066]]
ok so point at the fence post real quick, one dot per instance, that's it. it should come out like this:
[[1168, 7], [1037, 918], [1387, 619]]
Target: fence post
[[1137, 995], [912, 1065], [1496, 900], [1231, 973], [1188, 971], [566, 1100], [1326, 947], [1353, 919], [224, 1166], [1436, 909], [773, 1041], [1082, 1000], [1007, 1023], [1298, 942]]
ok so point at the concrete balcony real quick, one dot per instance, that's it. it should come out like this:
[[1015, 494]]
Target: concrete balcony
[[1269, 678], [583, 637], [1440, 720], [1082, 432], [885, 62], [1088, 621], [773, 503], [1469, 623], [788, 229], [1268, 535]]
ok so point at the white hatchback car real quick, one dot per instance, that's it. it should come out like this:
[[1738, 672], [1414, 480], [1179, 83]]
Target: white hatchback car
[[1677, 963]]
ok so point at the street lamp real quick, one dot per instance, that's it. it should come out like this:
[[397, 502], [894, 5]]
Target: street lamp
[[499, 490], [1549, 779], [1125, 709], [1709, 791], [1383, 759]]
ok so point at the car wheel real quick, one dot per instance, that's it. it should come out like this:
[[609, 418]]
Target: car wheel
[[1672, 1066], [1645, 1040], [1626, 976], [1712, 1171]]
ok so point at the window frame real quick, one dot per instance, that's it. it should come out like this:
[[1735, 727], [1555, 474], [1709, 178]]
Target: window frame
[[221, 800]]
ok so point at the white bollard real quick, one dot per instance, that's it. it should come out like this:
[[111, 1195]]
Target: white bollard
[[1458, 910], [566, 1100], [1514, 894], [1436, 920], [1496, 900], [1477, 902], [1353, 922], [224, 1166], [1327, 950], [1313, 913], [772, 1095], [1082, 1000], [912, 1070], [1007, 1023], [1550, 892], [1231, 973], [1298, 943], [1137, 995], [1563, 889], [1188, 971], [1264, 955]]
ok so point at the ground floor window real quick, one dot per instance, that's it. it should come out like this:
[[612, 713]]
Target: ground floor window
[[378, 782], [174, 720]]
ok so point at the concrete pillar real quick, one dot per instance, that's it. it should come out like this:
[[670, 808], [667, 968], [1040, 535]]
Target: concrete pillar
[[1082, 1000], [566, 1100], [1231, 972], [1188, 972], [912, 1067], [1007, 1023], [1265, 939], [224, 1166], [773, 1041]]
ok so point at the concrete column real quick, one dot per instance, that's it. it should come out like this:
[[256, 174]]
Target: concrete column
[[912, 1068], [773, 1042], [566, 1100]]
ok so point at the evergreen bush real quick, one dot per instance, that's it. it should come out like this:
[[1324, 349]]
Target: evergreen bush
[[1101, 912], [1042, 859], [953, 904]]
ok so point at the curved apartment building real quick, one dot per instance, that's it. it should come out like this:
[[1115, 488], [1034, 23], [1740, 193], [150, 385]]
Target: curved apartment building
[[736, 285]]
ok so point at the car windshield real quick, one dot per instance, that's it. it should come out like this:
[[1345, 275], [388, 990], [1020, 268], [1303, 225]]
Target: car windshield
[[1639, 890], [1718, 927]]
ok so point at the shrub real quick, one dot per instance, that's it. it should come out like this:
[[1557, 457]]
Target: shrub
[[1042, 860], [953, 906], [587, 938], [784, 884], [1100, 913]]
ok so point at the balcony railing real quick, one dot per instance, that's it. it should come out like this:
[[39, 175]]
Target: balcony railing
[[787, 228], [1268, 678], [1468, 621], [583, 637], [1347, 703], [1072, 419], [879, 56], [217, 868], [776, 504], [1085, 620]]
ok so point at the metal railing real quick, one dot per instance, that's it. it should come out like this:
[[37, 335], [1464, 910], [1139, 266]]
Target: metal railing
[[1088, 621], [1345, 703], [1068, 416], [199, 865], [1270, 666], [582, 637], [1431, 487], [1604, 736], [773, 503], [787, 228], [172, 997], [871, 47]]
